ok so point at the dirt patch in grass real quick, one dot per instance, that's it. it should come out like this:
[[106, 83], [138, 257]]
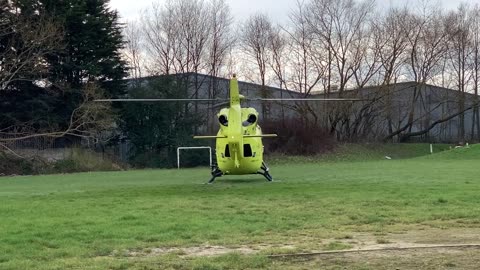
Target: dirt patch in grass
[[413, 249], [378, 244], [208, 250], [427, 237], [441, 258]]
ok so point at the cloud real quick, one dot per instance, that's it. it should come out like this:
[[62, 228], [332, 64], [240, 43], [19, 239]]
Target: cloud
[[278, 10]]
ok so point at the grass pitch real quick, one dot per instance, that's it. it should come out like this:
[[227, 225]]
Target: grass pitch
[[166, 219]]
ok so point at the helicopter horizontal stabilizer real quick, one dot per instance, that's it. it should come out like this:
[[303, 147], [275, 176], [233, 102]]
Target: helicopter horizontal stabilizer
[[261, 136], [209, 137]]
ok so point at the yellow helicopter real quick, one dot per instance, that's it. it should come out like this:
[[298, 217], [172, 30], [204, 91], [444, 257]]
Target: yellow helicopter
[[239, 147]]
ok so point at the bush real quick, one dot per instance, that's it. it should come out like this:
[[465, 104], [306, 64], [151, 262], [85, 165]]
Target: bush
[[83, 160], [12, 165], [79, 160], [65, 166], [295, 137]]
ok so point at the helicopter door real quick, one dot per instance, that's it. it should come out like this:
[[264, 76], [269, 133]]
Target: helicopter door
[[247, 150]]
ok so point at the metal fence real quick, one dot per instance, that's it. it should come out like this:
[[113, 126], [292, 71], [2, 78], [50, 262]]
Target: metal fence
[[61, 148]]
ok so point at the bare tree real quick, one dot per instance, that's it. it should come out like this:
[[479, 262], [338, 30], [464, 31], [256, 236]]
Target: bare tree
[[391, 38], [305, 63], [187, 36], [24, 44], [133, 49], [277, 47], [192, 24], [88, 120], [161, 38], [427, 43], [339, 26], [221, 40], [178, 33], [475, 56], [390, 34], [256, 35], [306, 55], [368, 56], [219, 46], [459, 55]]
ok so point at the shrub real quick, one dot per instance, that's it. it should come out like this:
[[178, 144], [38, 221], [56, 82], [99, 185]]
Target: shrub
[[65, 166], [79, 160], [296, 137], [84, 160], [12, 165]]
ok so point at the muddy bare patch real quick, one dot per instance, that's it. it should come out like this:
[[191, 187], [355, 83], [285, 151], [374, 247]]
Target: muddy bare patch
[[207, 250], [379, 244], [408, 239], [427, 259]]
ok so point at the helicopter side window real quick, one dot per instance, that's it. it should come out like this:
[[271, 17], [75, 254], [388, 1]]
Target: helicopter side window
[[223, 120], [252, 118], [227, 151], [247, 150]]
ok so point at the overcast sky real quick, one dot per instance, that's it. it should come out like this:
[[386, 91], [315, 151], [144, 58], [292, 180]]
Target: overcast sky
[[241, 9]]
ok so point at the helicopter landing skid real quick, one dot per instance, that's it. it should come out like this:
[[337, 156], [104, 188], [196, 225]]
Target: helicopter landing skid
[[265, 172], [215, 173]]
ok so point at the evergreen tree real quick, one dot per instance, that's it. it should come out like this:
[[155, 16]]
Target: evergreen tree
[[156, 129], [90, 52], [93, 40]]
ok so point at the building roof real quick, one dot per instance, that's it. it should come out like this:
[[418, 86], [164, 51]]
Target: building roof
[[399, 85]]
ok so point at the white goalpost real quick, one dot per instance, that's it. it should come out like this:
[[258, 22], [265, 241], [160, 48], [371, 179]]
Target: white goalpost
[[193, 147]]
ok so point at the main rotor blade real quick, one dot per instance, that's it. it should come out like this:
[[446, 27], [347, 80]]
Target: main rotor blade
[[305, 99], [222, 104], [159, 100]]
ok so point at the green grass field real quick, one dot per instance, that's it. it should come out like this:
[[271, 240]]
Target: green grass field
[[167, 219]]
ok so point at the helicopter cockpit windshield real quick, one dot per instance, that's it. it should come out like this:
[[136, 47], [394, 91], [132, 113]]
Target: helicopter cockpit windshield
[[223, 120], [252, 118]]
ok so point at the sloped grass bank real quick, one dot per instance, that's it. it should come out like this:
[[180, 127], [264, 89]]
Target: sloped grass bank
[[364, 152], [471, 152]]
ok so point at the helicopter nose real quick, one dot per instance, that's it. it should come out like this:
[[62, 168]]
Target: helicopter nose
[[234, 140]]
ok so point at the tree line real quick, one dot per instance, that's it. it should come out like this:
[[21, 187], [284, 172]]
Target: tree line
[[56, 57]]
